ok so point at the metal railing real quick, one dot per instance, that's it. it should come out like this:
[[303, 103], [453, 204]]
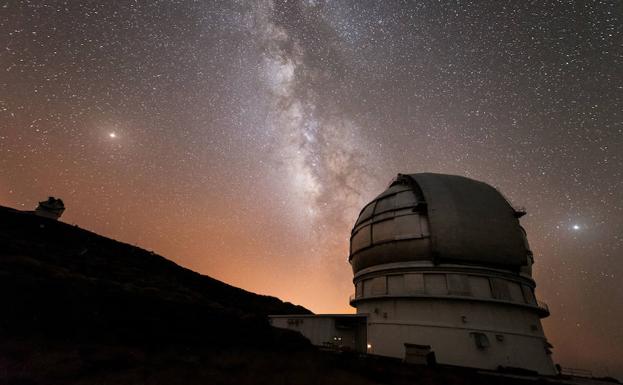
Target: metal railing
[[576, 372]]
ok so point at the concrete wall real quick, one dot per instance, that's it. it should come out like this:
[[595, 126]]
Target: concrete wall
[[513, 335], [470, 315]]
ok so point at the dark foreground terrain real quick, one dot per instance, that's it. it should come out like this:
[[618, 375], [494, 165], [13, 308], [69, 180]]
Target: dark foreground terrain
[[78, 308]]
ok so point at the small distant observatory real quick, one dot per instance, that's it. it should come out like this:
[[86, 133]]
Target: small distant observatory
[[52, 208], [442, 274]]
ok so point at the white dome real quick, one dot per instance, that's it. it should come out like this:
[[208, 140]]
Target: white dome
[[441, 218]]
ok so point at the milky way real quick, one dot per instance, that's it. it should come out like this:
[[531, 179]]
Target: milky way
[[240, 138]]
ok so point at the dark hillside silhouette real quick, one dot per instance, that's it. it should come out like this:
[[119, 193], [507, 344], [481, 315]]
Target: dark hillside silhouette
[[61, 280]]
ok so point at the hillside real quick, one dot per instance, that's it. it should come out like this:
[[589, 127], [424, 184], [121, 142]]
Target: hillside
[[64, 279]]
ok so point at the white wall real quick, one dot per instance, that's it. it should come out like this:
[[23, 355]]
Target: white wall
[[321, 330], [448, 326]]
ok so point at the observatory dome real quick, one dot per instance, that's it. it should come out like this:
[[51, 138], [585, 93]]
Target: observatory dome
[[442, 219], [442, 274]]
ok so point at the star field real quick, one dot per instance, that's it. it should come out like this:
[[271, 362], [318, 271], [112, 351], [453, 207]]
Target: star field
[[241, 138]]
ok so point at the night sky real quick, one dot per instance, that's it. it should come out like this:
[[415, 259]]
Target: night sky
[[241, 138]]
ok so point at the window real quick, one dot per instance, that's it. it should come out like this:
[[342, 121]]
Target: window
[[359, 289], [407, 226], [528, 295], [384, 204], [402, 227], [383, 231], [366, 213], [414, 283], [500, 289], [294, 322], [361, 239], [480, 287], [436, 284], [379, 286], [405, 199], [367, 287], [514, 290], [395, 284], [458, 284]]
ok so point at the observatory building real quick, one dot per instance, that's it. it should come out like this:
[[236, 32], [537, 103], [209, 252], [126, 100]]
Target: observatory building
[[52, 208], [442, 273]]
